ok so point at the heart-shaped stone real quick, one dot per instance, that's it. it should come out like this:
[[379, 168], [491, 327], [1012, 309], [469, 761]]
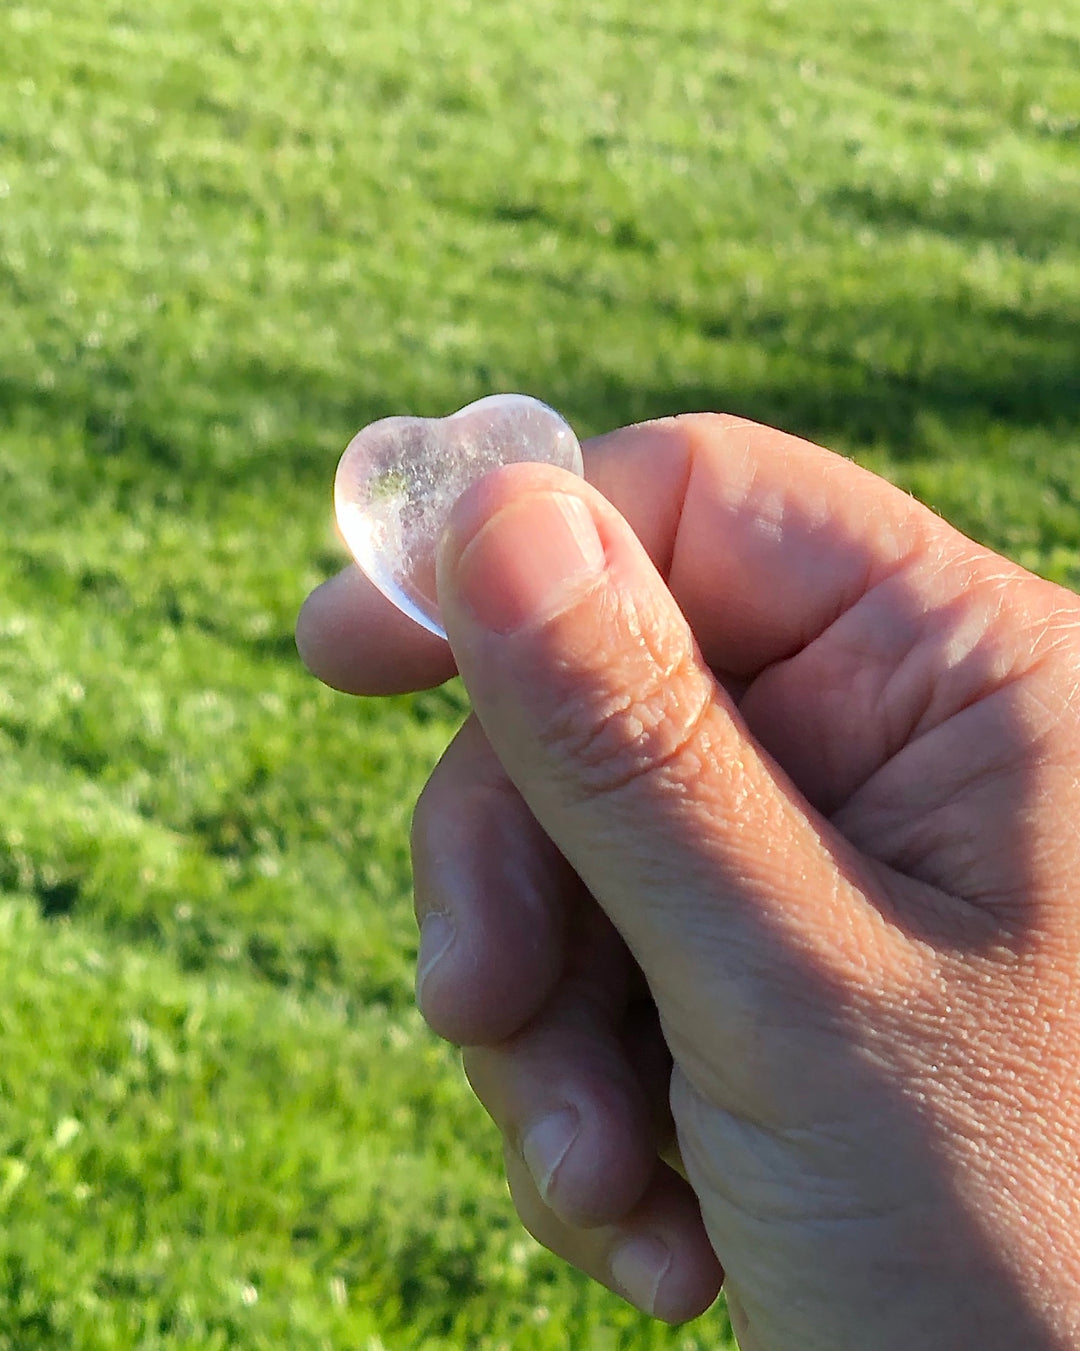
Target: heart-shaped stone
[[399, 478]]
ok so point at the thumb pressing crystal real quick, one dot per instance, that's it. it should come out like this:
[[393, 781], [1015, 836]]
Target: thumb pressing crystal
[[399, 478]]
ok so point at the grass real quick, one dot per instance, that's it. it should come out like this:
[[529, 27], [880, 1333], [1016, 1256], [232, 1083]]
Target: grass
[[231, 234]]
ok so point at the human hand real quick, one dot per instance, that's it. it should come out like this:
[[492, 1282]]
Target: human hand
[[792, 834]]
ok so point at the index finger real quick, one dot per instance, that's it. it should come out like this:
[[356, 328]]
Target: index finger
[[763, 539]]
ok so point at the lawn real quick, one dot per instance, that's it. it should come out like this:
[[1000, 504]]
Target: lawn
[[231, 233]]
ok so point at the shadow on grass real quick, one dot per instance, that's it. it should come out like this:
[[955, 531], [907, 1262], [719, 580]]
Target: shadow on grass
[[1032, 227], [953, 363], [836, 367], [840, 399]]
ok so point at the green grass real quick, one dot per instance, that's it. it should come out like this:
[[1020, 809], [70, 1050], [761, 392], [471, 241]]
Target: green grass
[[231, 234]]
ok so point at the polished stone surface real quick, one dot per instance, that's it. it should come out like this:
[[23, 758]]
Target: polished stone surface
[[399, 478]]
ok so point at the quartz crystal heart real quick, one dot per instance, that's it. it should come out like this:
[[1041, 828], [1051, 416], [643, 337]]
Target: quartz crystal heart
[[399, 478]]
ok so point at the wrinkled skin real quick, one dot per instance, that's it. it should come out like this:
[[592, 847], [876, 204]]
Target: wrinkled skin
[[748, 888]]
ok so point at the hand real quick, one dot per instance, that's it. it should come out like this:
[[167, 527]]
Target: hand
[[763, 837]]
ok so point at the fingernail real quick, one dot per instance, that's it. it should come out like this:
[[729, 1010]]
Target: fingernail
[[546, 1143], [436, 936], [638, 1267], [529, 560]]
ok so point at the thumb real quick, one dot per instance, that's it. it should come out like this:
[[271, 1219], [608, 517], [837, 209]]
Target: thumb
[[591, 689]]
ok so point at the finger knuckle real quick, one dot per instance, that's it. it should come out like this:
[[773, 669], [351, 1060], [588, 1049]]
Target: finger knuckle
[[636, 713]]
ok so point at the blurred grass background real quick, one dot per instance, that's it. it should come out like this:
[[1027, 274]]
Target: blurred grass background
[[230, 234]]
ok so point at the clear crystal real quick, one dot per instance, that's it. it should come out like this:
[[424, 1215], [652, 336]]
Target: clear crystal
[[399, 478]]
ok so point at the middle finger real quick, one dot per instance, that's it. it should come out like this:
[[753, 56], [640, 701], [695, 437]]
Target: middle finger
[[492, 896]]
